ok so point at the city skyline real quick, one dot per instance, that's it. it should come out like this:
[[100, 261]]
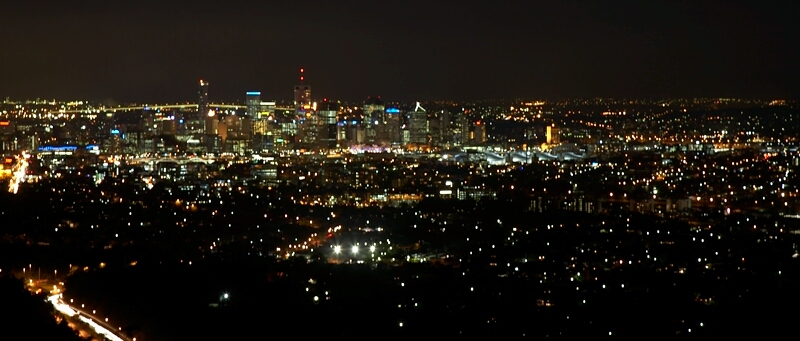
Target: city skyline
[[400, 51]]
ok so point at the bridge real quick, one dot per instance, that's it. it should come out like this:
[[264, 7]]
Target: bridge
[[179, 160]]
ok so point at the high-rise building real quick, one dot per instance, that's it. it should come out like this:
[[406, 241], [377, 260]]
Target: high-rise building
[[326, 121], [302, 93], [265, 128], [461, 130], [202, 102], [392, 122], [253, 102], [211, 136], [479, 133], [373, 121], [418, 122], [553, 135], [445, 131]]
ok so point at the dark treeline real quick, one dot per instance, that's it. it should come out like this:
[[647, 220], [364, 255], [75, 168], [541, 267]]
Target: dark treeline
[[29, 317], [172, 302]]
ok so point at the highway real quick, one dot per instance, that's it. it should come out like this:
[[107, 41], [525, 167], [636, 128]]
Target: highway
[[100, 326]]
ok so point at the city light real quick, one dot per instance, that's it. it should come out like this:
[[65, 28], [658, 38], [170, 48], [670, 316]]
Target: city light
[[18, 173]]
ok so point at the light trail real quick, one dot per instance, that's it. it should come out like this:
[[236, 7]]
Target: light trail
[[18, 172], [69, 311]]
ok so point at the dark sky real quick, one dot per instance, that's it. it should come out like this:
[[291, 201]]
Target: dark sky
[[156, 51]]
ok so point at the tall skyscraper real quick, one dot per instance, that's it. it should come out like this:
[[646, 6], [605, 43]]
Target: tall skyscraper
[[253, 102], [419, 125], [392, 122], [202, 102], [326, 121], [302, 93], [374, 121], [445, 131]]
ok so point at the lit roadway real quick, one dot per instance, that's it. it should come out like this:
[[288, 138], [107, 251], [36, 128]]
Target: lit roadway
[[100, 326]]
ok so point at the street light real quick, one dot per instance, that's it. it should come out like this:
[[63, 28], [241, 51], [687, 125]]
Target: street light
[[355, 249], [337, 249]]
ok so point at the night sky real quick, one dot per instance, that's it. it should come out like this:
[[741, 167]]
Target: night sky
[[401, 50]]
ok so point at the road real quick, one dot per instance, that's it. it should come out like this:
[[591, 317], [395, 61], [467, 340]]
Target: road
[[100, 326]]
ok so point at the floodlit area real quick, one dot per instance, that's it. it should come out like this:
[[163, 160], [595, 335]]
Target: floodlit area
[[18, 173], [69, 311]]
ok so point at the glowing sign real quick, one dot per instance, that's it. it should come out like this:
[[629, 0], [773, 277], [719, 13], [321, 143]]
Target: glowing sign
[[393, 110], [58, 148], [253, 93], [114, 131]]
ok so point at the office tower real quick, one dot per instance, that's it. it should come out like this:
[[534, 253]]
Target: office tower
[[264, 125], [418, 124], [445, 132], [253, 102], [211, 138], [392, 123], [479, 133], [326, 122], [553, 135], [302, 93], [253, 121], [373, 121], [461, 130], [202, 102]]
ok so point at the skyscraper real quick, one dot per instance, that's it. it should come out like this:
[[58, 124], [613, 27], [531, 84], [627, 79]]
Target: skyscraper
[[202, 102], [326, 121], [374, 121], [392, 122], [302, 93], [253, 102], [419, 125]]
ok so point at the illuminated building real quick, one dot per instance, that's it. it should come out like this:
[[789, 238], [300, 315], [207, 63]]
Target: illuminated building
[[391, 125], [445, 132], [418, 122], [552, 135], [253, 102], [202, 102], [461, 131], [326, 122], [164, 123], [7, 130], [479, 133], [374, 121], [211, 137], [265, 127], [302, 93]]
